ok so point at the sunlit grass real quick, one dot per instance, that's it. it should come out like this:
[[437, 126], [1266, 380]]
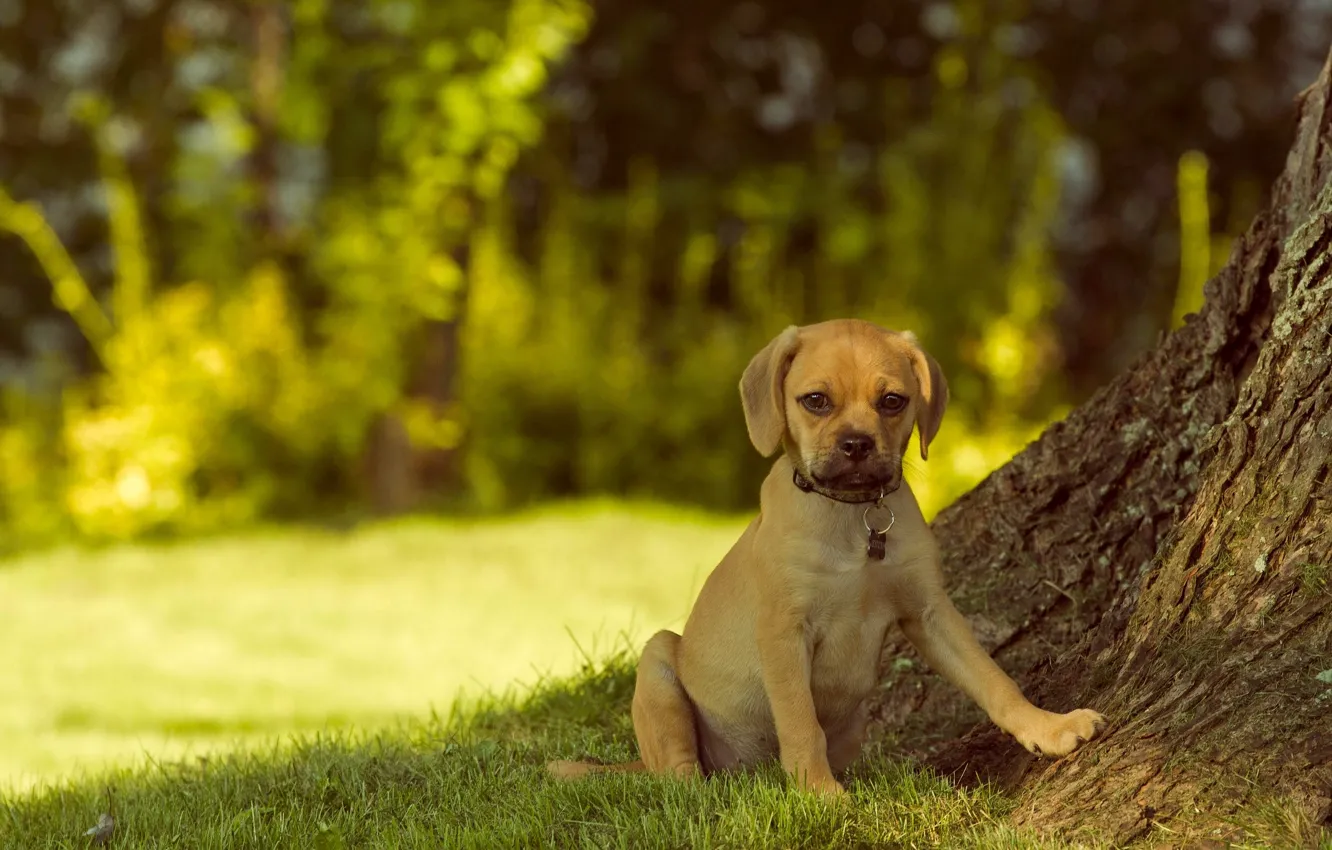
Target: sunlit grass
[[477, 780], [152, 651], [305, 666]]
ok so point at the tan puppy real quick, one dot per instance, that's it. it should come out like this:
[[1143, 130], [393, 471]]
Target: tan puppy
[[782, 647]]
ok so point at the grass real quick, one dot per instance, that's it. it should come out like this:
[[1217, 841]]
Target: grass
[[476, 779], [301, 689], [145, 652]]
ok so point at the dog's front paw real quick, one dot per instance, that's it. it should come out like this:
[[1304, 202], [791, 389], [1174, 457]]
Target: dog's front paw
[[827, 788], [1054, 735], [817, 782]]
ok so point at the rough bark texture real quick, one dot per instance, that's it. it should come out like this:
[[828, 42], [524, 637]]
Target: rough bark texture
[[1165, 556]]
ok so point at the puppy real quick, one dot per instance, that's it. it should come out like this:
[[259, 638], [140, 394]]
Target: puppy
[[781, 649]]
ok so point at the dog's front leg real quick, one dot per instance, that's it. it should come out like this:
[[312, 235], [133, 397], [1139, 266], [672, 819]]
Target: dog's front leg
[[785, 650], [944, 638]]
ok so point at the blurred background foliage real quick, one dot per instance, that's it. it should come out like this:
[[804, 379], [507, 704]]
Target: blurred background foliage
[[266, 261]]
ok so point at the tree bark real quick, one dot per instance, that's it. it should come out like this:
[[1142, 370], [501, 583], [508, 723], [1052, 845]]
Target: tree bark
[[1165, 556]]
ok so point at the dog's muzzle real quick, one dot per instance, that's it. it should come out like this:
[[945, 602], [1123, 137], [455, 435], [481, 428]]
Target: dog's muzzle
[[855, 488], [841, 473]]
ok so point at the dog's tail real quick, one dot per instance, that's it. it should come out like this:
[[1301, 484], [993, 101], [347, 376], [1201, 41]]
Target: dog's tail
[[571, 770]]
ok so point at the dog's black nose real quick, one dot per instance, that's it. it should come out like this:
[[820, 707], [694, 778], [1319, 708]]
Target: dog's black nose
[[856, 446]]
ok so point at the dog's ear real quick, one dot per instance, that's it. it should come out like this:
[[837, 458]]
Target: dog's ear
[[929, 416], [761, 391]]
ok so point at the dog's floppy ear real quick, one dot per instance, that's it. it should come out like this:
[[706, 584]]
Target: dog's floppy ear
[[761, 391], [929, 416]]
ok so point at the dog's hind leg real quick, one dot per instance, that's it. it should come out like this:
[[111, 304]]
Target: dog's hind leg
[[663, 714], [663, 719]]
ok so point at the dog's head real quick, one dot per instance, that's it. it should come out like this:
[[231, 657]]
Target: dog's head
[[842, 398]]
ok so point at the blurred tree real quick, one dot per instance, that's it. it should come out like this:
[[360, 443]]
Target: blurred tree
[[1140, 84], [943, 231], [257, 171], [709, 88], [452, 109], [693, 175]]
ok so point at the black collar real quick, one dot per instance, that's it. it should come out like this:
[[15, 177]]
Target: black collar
[[850, 497]]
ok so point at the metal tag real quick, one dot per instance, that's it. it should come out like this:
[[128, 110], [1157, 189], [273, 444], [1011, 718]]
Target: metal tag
[[878, 527], [878, 545]]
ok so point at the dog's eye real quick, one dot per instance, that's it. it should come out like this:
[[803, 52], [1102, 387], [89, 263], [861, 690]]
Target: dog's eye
[[892, 403], [816, 402]]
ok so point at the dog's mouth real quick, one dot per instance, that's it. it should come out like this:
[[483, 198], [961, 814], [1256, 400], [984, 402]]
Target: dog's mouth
[[858, 479], [847, 480]]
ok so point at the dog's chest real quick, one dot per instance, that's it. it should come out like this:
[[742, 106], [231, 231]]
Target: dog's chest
[[845, 551], [847, 631]]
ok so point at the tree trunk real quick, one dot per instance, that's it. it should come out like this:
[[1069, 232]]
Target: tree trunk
[[402, 475], [268, 32], [1165, 556], [437, 382]]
